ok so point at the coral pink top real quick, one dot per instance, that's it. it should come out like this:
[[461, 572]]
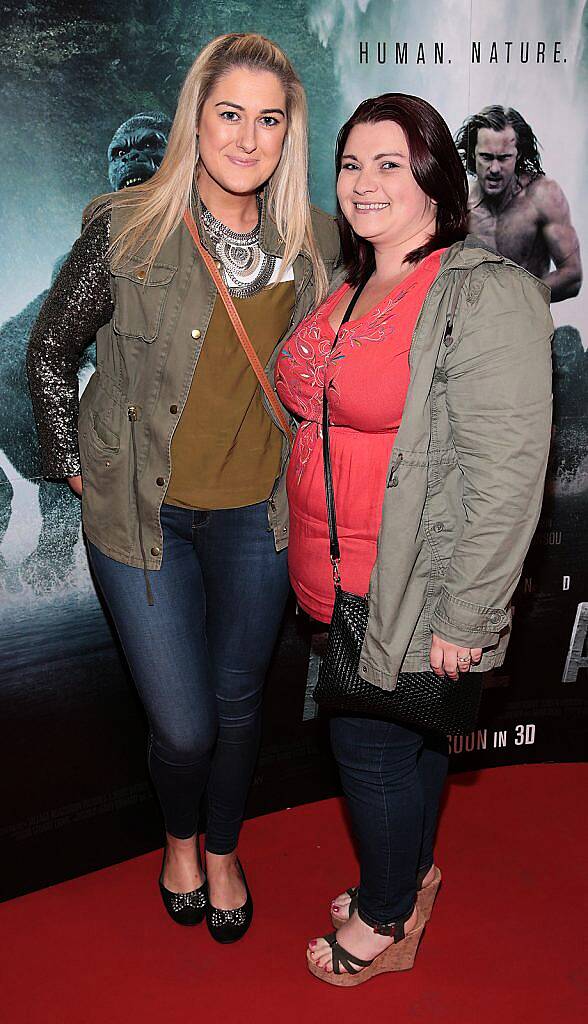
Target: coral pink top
[[367, 376]]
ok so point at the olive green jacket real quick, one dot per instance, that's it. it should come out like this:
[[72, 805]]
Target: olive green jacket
[[146, 358], [466, 475]]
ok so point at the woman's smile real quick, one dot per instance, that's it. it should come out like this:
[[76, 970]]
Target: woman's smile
[[242, 161], [370, 207], [376, 161]]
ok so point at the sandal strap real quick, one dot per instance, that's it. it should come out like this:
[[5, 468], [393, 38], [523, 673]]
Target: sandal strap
[[353, 893], [343, 958], [393, 928]]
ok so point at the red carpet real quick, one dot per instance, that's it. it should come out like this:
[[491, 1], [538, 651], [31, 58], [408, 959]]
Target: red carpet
[[506, 941]]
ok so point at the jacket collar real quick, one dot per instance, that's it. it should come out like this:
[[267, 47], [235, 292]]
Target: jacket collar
[[473, 251], [469, 253], [271, 243]]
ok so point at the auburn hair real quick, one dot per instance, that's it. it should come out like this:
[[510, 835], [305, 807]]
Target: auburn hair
[[436, 168]]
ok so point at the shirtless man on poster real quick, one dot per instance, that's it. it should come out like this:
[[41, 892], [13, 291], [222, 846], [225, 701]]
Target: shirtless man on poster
[[513, 206]]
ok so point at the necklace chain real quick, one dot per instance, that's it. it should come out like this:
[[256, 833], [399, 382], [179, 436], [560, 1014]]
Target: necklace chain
[[246, 267]]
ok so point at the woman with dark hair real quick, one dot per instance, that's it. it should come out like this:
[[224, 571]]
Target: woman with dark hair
[[438, 396]]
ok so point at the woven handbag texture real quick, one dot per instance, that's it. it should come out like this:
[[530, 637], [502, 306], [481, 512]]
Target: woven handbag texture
[[421, 699]]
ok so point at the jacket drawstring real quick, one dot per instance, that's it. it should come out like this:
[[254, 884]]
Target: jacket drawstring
[[133, 417], [450, 317]]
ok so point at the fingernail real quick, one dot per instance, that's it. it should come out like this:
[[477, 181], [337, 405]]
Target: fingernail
[[312, 943], [335, 907]]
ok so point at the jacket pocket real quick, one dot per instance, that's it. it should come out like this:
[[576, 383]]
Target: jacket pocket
[[140, 300], [107, 514], [100, 415], [101, 436]]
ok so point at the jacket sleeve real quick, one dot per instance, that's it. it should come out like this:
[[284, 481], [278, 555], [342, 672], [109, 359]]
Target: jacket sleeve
[[78, 304], [499, 406]]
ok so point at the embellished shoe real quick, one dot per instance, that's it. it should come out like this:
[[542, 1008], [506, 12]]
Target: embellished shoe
[[397, 957], [230, 925], [426, 896], [187, 908]]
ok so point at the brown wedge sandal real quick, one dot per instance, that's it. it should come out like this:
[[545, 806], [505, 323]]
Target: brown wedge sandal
[[397, 957], [426, 896]]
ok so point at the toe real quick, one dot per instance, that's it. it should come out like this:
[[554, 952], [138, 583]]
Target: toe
[[340, 901], [321, 953], [317, 949]]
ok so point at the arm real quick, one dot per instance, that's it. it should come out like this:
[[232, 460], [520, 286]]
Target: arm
[[560, 239], [78, 304], [499, 404]]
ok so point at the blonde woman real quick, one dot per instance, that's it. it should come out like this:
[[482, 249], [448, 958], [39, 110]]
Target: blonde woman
[[176, 454]]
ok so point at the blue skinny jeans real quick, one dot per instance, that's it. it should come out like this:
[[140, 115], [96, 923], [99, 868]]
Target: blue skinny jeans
[[392, 778], [199, 658]]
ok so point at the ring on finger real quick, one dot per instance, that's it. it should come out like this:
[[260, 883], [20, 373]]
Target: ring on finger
[[464, 658]]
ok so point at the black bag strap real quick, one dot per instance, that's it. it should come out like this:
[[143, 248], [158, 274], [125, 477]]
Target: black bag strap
[[330, 495]]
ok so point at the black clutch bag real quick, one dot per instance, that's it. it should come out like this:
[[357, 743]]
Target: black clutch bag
[[420, 699]]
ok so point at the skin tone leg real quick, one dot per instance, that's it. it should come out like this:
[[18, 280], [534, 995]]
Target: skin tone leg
[[183, 873], [340, 904]]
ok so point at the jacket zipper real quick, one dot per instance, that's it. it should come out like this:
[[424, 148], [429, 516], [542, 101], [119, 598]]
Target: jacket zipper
[[133, 414]]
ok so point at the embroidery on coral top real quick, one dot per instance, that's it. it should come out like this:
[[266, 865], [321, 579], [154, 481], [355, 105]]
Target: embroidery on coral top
[[310, 355]]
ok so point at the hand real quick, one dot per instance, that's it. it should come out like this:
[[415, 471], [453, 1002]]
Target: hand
[[75, 482], [451, 659]]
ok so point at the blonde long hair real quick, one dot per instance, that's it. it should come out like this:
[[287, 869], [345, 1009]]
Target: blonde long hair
[[158, 204]]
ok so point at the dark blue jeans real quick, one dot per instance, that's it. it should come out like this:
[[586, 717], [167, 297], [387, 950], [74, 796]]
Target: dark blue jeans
[[199, 657], [393, 779]]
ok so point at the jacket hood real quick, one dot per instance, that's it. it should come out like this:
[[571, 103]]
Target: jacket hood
[[473, 251]]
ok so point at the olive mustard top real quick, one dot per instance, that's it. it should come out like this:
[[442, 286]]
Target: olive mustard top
[[225, 451]]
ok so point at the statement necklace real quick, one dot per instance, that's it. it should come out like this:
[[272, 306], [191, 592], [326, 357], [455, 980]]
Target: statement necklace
[[246, 267]]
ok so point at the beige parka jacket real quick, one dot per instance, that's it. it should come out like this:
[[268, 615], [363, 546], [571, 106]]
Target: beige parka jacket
[[466, 475]]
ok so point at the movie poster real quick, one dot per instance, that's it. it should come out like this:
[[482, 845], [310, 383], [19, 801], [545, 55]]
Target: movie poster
[[89, 92], [465, 57]]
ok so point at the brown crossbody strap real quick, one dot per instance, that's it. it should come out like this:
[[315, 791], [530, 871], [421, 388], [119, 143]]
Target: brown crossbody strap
[[237, 324]]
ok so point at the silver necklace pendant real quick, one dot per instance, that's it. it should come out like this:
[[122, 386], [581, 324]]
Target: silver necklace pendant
[[246, 267]]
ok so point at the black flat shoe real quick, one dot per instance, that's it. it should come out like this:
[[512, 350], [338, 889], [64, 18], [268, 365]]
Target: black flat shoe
[[230, 925], [187, 908]]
